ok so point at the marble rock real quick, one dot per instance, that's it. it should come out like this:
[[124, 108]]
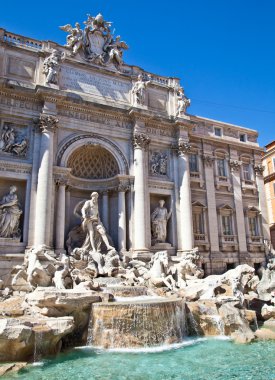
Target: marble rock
[[19, 337], [54, 302], [268, 311], [266, 287]]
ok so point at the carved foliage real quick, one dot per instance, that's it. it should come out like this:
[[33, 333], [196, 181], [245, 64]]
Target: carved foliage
[[234, 165], [259, 169], [140, 140], [48, 123]]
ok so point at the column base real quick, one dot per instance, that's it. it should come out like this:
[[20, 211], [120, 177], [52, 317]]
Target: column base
[[142, 254]]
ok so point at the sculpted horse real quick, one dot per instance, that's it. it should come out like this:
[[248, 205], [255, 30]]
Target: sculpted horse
[[159, 273]]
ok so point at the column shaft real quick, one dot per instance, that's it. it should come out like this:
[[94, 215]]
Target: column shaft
[[121, 221], [60, 217], [186, 222], [105, 210]]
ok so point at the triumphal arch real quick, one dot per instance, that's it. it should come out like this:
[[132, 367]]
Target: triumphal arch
[[77, 120]]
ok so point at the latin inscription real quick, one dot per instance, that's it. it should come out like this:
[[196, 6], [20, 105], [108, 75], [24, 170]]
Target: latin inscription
[[101, 86], [19, 103]]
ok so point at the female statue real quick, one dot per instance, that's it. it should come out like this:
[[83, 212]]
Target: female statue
[[9, 215]]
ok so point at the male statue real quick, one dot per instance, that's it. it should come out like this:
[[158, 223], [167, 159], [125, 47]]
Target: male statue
[[92, 224], [159, 219]]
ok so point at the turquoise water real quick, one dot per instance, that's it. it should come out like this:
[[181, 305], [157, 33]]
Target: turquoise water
[[210, 359]]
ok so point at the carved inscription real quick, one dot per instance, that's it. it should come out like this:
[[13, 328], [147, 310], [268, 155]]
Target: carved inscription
[[161, 131], [94, 119], [19, 103], [101, 86]]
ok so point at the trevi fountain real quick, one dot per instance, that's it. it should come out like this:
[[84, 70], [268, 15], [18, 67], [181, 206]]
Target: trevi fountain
[[98, 307]]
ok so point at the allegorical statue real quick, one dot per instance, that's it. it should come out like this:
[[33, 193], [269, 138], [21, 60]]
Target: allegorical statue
[[100, 260], [183, 102], [159, 219], [92, 224], [51, 67], [138, 90], [10, 215]]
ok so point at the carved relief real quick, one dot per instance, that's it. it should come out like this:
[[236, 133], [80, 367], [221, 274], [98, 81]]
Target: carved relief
[[12, 141], [158, 163]]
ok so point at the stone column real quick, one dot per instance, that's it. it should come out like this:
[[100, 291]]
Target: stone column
[[186, 221], [48, 124], [238, 200], [60, 215], [208, 160], [34, 176], [122, 188], [105, 209], [67, 208], [262, 200], [140, 142]]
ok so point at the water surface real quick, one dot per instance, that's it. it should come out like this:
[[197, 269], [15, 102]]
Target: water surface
[[199, 359]]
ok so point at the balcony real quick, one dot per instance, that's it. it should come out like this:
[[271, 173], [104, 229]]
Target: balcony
[[255, 243], [196, 178], [201, 240], [229, 243], [222, 181]]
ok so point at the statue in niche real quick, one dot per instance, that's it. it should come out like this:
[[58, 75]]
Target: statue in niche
[[159, 163], [138, 90], [159, 219], [51, 67], [183, 102], [9, 142], [102, 260], [10, 213]]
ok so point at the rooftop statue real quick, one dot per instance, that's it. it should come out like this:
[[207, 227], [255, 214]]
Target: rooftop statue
[[95, 41], [183, 102]]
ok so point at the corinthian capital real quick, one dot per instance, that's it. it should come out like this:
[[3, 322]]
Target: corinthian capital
[[259, 169], [234, 165], [140, 140], [48, 123], [183, 147]]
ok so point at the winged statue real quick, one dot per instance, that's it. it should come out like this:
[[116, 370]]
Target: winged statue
[[74, 38]]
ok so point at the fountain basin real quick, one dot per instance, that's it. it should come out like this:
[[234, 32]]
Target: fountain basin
[[137, 324]]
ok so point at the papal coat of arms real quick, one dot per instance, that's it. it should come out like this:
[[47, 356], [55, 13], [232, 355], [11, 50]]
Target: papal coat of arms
[[95, 42]]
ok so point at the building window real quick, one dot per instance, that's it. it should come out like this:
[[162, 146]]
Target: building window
[[227, 225], [221, 164], [253, 226], [198, 223], [246, 172], [243, 137], [193, 163], [218, 131]]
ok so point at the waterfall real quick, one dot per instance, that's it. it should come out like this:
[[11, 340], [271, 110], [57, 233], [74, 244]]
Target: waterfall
[[38, 345], [137, 324]]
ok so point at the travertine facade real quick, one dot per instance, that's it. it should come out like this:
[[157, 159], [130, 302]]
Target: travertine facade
[[269, 180], [77, 119]]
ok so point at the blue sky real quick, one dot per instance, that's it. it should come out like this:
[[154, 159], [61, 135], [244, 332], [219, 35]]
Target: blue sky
[[223, 50]]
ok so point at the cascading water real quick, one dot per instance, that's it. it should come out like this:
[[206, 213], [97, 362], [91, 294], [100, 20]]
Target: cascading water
[[143, 323]]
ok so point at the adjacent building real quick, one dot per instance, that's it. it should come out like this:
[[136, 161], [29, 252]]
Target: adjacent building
[[269, 180], [76, 119]]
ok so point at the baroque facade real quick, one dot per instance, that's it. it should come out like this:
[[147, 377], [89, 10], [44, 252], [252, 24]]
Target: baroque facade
[[269, 180], [76, 119]]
